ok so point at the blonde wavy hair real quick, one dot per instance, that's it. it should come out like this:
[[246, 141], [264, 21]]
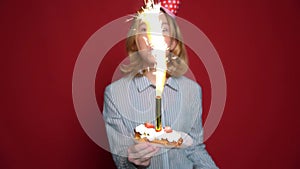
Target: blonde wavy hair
[[177, 60]]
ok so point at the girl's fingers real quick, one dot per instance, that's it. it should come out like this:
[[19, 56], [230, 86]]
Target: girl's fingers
[[142, 153]]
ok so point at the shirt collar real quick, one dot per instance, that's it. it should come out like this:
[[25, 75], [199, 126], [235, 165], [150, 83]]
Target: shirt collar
[[172, 83], [142, 83]]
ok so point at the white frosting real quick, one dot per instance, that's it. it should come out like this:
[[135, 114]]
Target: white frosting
[[151, 134]]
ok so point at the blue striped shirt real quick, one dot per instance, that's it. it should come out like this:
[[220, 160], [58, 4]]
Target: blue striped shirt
[[130, 102]]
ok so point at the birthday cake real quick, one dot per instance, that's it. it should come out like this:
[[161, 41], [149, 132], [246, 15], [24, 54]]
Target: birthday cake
[[168, 137]]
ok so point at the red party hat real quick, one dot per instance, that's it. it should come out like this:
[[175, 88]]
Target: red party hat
[[171, 5]]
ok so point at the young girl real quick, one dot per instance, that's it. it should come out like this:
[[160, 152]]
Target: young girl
[[130, 101]]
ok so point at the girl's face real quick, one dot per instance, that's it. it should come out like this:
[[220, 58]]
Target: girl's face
[[143, 44]]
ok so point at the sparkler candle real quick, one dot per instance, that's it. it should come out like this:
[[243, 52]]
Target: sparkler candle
[[150, 16]]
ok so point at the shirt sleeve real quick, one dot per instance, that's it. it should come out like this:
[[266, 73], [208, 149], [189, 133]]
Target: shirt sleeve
[[197, 152], [117, 133]]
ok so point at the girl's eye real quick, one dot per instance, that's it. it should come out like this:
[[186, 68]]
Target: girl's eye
[[143, 30], [165, 30]]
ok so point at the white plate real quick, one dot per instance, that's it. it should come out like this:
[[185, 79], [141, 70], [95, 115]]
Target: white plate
[[187, 141]]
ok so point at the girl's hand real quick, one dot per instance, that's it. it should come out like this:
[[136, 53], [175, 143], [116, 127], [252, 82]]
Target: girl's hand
[[140, 154]]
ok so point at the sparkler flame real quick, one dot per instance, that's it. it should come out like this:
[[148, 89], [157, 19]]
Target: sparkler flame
[[155, 39]]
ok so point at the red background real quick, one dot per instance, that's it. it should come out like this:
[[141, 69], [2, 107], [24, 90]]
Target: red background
[[258, 43]]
